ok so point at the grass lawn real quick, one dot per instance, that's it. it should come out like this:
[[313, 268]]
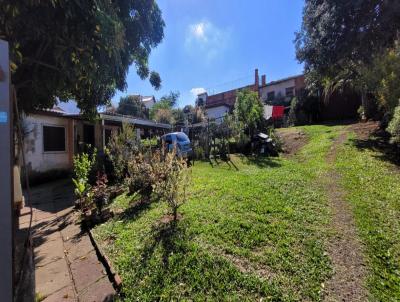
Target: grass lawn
[[246, 233], [373, 187], [256, 229]]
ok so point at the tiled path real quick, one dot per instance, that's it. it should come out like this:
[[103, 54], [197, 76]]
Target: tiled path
[[66, 264]]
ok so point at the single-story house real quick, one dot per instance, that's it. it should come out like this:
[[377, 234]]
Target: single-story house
[[53, 137]]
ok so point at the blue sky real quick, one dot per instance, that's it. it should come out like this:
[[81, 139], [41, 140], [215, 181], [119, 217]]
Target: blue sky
[[217, 44]]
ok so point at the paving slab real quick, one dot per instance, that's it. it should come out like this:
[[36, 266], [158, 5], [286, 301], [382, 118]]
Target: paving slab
[[100, 291], [86, 271], [69, 231], [52, 277], [67, 267], [77, 247], [66, 294], [49, 251]]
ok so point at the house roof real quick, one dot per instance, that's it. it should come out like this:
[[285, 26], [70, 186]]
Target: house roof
[[132, 120], [105, 116], [146, 99], [58, 112], [227, 98], [283, 80]]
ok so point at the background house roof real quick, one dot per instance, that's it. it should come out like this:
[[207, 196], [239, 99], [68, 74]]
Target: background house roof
[[299, 76], [227, 98]]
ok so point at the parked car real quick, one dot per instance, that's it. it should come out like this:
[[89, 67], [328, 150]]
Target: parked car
[[180, 141]]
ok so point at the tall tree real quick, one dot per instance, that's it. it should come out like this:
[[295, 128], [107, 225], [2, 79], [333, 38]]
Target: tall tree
[[164, 116], [81, 50], [248, 110], [338, 36], [171, 98], [194, 114], [166, 102], [132, 105], [178, 115]]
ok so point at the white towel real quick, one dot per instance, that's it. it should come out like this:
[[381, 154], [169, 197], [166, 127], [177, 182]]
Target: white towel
[[268, 111]]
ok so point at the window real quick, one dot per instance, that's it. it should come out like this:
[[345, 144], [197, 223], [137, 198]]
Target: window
[[168, 139], [107, 135], [182, 137], [53, 138], [289, 91], [271, 95]]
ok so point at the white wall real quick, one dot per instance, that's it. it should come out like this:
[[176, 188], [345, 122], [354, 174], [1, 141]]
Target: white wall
[[36, 159], [278, 88], [217, 112]]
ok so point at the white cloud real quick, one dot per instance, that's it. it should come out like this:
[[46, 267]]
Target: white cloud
[[205, 39], [198, 30], [197, 90]]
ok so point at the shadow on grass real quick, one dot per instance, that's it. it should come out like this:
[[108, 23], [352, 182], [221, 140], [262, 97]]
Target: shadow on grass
[[135, 211], [220, 161], [379, 143], [171, 236], [260, 161]]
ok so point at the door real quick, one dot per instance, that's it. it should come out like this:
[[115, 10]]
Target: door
[[88, 135]]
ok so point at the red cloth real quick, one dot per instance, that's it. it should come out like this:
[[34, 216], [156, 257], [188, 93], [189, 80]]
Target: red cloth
[[278, 111]]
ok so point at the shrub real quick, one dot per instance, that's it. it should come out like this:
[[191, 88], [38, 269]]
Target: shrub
[[172, 182], [394, 126], [122, 148], [142, 173], [199, 152], [361, 112], [99, 191], [276, 141], [83, 163]]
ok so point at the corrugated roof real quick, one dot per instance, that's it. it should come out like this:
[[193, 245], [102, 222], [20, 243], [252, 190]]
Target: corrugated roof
[[132, 120]]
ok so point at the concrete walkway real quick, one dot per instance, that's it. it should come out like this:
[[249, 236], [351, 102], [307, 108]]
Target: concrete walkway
[[66, 264]]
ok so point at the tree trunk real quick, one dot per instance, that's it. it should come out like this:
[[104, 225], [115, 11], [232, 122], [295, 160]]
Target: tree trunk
[[366, 103]]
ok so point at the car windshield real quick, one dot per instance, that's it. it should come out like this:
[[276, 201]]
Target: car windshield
[[182, 137]]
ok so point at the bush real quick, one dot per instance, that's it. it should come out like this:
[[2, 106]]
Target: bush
[[121, 149], [83, 164], [172, 182], [394, 126], [276, 141], [361, 112], [99, 191], [199, 152], [142, 172]]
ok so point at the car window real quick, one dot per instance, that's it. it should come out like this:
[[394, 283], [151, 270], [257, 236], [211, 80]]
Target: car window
[[168, 139], [182, 137]]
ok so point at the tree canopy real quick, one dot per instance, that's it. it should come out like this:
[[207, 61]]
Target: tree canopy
[[171, 99], [338, 36], [166, 103], [81, 50], [132, 105], [248, 109]]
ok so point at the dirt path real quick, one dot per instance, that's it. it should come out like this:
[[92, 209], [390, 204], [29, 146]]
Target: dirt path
[[292, 140], [344, 247]]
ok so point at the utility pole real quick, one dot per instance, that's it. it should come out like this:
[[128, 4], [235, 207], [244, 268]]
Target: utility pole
[[6, 177]]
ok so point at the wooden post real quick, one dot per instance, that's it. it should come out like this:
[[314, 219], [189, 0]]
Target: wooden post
[[103, 134], [6, 176]]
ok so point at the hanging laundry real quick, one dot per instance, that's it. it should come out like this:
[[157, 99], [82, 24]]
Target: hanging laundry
[[278, 112], [268, 111]]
